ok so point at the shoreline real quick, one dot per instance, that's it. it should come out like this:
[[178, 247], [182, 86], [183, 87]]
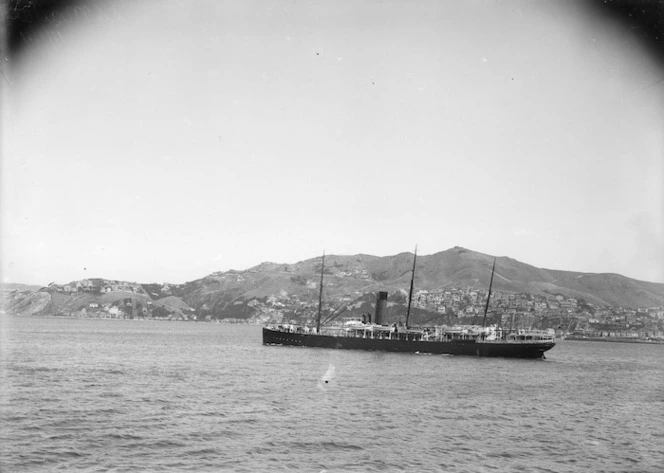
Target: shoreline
[[614, 340]]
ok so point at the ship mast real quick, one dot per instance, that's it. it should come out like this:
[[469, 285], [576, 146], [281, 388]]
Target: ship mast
[[410, 293], [320, 295], [486, 307]]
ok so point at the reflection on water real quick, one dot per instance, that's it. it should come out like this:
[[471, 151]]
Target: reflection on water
[[135, 396]]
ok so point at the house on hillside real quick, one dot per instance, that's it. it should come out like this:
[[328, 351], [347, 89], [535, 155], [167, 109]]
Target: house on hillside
[[115, 312], [566, 305], [657, 312]]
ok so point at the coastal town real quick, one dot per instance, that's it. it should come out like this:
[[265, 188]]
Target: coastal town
[[570, 317], [567, 316]]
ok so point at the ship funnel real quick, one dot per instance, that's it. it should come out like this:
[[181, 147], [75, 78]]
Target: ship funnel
[[381, 306]]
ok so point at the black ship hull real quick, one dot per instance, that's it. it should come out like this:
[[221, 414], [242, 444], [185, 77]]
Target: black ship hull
[[472, 347]]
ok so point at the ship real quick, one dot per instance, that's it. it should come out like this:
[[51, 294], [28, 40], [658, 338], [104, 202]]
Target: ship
[[376, 335]]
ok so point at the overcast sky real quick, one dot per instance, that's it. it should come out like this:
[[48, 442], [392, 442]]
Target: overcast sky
[[153, 141]]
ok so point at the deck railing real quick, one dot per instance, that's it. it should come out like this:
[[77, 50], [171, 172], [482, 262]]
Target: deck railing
[[525, 337]]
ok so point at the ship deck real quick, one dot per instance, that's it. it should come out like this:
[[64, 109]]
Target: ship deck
[[410, 341]]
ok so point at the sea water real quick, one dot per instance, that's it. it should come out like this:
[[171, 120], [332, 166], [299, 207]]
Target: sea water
[[100, 395]]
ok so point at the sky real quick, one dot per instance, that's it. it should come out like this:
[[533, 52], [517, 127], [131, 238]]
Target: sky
[[155, 142]]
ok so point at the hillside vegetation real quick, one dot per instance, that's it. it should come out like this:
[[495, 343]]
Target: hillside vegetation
[[276, 292]]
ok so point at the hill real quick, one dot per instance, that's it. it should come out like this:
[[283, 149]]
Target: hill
[[274, 292]]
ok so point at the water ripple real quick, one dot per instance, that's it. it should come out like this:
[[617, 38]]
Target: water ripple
[[117, 396]]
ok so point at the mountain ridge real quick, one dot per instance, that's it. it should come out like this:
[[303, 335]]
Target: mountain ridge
[[347, 277]]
